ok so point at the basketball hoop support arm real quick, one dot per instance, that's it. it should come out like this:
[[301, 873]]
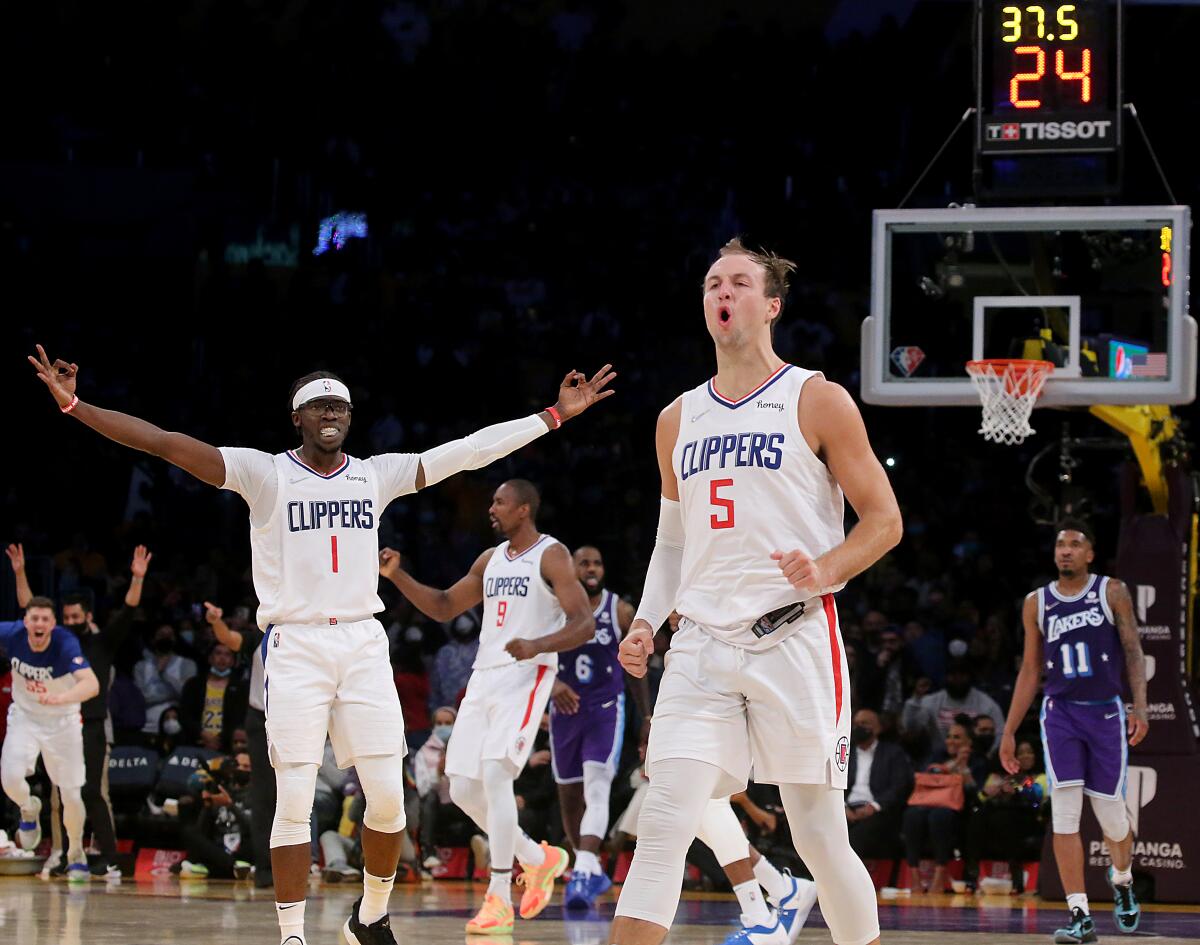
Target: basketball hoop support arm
[[1149, 427]]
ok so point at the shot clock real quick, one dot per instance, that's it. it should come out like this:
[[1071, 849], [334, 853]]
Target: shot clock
[[1049, 77]]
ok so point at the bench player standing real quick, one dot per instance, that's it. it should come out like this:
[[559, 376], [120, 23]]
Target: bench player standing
[[533, 608], [1082, 629], [314, 514], [750, 549], [51, 679]]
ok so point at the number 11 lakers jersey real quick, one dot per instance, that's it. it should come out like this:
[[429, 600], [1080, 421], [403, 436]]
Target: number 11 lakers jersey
[[749, 484]]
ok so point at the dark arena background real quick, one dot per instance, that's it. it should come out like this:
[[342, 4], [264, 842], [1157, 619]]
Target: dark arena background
[[450, 204]]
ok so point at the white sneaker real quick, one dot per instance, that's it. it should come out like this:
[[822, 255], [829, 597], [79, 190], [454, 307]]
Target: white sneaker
[[29, 831], [774, 933], [53, 861], [796, 905], [432, 862]]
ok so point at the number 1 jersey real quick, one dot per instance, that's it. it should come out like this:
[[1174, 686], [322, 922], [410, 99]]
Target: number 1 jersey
[[314, 537], [749, 484]]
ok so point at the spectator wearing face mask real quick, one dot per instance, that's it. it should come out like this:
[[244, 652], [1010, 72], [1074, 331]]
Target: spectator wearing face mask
[[98, 646], [452, 666], [936, 712], [170, 731], [879, 780], [160, 675], [214, 705], [433, 787]]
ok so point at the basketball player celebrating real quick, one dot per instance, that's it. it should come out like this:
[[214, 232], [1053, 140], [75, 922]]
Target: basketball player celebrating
[[1082, 630], [587, 725], [314, 514], [533, 608], [51, 679], [750, 550]]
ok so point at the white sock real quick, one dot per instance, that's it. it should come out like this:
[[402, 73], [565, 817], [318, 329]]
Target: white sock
[[376, 890], [754, 907], [770, 879], [291, 920], [501, 885], [1122, 877], [528, 852], [1078, 901], [586, 862]]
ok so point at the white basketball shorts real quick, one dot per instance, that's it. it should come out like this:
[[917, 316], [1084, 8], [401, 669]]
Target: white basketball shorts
[[59, 740], [499, 717], [334, 680], [784, 711]]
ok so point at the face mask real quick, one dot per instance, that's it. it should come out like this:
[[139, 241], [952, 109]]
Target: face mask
[[860, 734], [984, 742], [188, 637], [443, 731], [958, 690], [163, 646], [172, 727], [220, 673], [77, 628]]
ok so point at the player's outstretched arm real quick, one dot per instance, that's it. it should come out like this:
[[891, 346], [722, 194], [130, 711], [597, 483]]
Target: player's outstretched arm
[[1121, 605], [576, 393], [16, 557], [440, 605], [663, 574], [559, 572], [1026, 687], [830, 421], [189, 454]]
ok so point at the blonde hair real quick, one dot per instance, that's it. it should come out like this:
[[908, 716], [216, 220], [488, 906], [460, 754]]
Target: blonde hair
[[777, 270]]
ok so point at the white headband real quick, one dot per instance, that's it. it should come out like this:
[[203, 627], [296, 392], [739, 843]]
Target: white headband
[[321, 387]]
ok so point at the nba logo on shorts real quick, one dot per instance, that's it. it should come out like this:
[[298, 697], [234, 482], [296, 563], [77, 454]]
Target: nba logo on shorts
[[841, 754], [275, 643]]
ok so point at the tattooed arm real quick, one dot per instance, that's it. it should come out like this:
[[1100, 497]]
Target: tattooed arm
[[1121, 605]]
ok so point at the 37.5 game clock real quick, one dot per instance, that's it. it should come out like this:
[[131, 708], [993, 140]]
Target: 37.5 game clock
[[1049, 76]]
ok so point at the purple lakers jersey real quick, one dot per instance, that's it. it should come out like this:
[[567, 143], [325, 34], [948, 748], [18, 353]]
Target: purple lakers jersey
[[592, 670], [1081, 648]]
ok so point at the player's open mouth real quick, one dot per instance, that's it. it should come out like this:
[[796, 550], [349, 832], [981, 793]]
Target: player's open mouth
[[723, 315], [329, 432]]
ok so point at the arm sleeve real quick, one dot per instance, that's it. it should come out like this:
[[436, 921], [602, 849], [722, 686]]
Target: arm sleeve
[[663, 574], [480, 448], [251, 474], [397, 474]]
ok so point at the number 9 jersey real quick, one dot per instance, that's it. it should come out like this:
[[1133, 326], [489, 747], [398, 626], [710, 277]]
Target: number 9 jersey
[[518, 604]]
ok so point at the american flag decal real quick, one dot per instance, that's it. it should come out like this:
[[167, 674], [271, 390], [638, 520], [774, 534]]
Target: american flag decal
[[1153, 364]]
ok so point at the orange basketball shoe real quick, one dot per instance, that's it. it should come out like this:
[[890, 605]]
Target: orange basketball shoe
[[539, 880], [494, 918]]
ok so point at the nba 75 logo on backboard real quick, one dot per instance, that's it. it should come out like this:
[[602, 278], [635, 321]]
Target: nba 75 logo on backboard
[[907, 359]]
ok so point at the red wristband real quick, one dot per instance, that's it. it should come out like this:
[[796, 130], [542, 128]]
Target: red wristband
[[72, 405], [554, 415]]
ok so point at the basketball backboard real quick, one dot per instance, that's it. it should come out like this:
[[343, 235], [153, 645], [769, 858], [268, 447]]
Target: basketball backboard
[[1099, 291]]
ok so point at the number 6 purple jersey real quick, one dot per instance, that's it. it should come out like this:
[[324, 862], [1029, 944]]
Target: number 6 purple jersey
[[1081, 648], [592, 670]]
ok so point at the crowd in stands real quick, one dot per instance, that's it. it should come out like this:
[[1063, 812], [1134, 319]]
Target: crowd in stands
[[924, 781]]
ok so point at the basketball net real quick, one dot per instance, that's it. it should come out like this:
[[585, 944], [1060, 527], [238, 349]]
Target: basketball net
[[1008, 388]]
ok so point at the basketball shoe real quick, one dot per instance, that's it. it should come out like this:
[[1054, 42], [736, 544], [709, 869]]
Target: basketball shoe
[[378, 932], [1126, 910]]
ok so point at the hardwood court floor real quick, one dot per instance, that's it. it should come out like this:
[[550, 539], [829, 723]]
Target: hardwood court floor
[[33, 912]]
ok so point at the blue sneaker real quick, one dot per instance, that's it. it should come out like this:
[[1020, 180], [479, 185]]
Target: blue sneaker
[[773, 934], [585, 888], [1126, 910], [1081, 929], [796, 905]]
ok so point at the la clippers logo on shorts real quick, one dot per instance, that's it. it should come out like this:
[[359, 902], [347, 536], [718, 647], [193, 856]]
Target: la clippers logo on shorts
[[520, 743], [841, 754]]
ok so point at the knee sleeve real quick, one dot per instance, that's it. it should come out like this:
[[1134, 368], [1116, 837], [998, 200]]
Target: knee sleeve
[[382, 780], [671, 812], [722, 833], [817, 818], [1066, 808], [467, 794], [1113, 817], [295, 785], [597, 784]]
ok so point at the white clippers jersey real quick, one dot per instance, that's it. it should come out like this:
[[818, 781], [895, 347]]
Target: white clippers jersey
[[517, 604], [749, 484], [313, 537]]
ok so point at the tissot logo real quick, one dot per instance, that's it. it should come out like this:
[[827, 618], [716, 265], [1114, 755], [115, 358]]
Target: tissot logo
[[1015, 131]]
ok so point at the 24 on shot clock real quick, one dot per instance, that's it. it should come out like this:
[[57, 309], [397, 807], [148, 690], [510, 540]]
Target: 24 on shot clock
[[1049, 76]]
